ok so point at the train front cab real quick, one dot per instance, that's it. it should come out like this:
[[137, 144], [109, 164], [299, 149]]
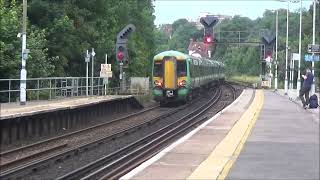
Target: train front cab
[[170, 79]]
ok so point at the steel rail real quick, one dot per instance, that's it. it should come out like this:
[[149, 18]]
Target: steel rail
[[9, 153], [117, 161], [32, 166]]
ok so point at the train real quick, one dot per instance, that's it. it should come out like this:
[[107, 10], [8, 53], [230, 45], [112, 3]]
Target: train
[[179, 77]]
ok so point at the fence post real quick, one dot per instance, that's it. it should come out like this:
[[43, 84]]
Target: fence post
[[38, 89], [49, 89], [98, 85], [9, 90], [78, 87], [55, 87]]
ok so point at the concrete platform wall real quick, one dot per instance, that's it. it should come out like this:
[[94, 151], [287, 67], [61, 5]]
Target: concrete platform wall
[[18, 130]]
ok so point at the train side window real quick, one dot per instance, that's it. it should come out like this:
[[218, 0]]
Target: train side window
[[157, 69], [195, 68], [181, 68], [190, 68]]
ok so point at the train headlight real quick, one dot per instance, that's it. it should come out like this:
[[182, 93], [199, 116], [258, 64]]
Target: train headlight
[[182, 83], [158, 83]]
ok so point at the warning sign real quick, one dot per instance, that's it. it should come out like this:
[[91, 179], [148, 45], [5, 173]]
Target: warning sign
[[105, 70]]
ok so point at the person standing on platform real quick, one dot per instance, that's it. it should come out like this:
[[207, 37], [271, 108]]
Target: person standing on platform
[[304, 91]]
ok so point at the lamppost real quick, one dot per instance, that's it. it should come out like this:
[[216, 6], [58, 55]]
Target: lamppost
[[299, 64], [286, 75], [87, 60], [313, 88], [287, 47], [92, 64], [24, 57], [276, 62]]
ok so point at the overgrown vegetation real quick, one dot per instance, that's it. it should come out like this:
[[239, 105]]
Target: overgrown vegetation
[[244, 59], [59, 33]]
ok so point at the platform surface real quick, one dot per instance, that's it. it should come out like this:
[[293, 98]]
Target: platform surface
[[180, 160], [284, 143], [12, 110]]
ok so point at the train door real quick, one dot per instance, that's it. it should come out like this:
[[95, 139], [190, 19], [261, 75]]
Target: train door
[[170, 78]]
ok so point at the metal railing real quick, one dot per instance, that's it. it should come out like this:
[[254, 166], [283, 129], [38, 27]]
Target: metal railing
[[60, 87]]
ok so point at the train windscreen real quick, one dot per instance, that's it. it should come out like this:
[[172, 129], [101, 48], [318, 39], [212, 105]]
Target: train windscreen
[[157, 69], [181, 68]]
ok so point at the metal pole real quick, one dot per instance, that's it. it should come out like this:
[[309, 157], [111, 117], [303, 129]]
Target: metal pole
[[120, 77], [92, 64], [276, 73], [38, 88], [270, 73], [239, 39], [23, 72], [50, 89], [9, 90], [87, 74], [313, 88], [105, 84], [291, 71], [124, 85], [286, 75], [299, 63]]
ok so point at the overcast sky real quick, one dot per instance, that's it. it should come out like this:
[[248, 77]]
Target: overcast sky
[[167, 11]]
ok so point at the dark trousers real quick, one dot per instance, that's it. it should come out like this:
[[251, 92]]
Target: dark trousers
[[304, 91]]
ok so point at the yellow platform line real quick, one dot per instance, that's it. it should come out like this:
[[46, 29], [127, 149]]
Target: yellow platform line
[[220, 161]]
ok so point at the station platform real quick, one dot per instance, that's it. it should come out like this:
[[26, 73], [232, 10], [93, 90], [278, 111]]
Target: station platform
[[37, 120], [13, 110], [262, 135]]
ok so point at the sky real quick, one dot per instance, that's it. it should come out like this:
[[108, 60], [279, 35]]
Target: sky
[[167, 11]]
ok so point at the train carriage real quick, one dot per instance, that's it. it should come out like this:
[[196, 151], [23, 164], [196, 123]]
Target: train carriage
[[176, 76]]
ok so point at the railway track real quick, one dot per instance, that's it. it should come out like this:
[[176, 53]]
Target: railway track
[[16, 158], [115, 165], [61, 149], [21, 161], [133, 154]]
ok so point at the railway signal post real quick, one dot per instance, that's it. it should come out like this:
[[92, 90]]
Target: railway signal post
[[268, 40], [208, 22], [122, 51]]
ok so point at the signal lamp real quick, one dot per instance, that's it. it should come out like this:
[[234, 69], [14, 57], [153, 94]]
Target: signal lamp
[[182, 83], [120, 56], [269, 53], [208, 39]]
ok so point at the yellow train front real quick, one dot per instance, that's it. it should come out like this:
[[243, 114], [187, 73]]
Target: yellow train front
[[178, 76]]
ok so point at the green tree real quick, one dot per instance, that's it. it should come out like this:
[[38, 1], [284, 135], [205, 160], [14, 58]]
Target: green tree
[[37, 65], [182, 35]]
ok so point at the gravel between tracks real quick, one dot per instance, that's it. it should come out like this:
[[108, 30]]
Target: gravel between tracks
[[61, 168], [74, 162]]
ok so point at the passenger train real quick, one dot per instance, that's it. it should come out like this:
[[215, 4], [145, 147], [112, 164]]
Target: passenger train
[[178, 76]]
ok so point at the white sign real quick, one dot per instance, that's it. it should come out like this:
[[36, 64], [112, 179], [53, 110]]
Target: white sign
[[295, 56], [105, 70], [106, 74], [106, 67]]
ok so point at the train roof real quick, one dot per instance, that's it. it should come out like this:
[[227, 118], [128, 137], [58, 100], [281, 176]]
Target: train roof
[[177, 54], [180, 55]]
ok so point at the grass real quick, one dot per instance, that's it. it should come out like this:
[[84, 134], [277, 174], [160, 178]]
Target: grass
[[244, 79]]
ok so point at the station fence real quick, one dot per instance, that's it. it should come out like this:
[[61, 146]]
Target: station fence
[[62, 87]]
